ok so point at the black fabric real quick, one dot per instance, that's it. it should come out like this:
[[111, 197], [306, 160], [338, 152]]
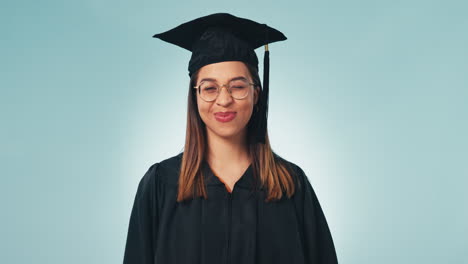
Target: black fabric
[[217, 44], [221, 37], [237, 227]]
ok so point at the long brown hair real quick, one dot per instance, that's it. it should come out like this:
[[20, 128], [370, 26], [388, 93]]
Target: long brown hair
[[274, 173]]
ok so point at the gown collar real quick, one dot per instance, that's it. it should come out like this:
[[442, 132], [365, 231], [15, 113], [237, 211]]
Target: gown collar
[[246, 180]]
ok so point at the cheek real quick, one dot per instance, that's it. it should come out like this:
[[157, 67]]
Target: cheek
[[250, 104], [203, 109], [247, 110]]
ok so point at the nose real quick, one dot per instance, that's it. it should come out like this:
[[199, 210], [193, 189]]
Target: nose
[[224, 97]]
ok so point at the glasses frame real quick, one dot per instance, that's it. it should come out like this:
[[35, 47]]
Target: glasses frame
[[219, 91]]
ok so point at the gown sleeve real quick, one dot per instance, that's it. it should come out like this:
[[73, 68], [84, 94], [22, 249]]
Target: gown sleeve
[[318, 243], [142, 228]]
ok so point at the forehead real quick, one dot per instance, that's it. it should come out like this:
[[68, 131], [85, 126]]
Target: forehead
[[223, 71]]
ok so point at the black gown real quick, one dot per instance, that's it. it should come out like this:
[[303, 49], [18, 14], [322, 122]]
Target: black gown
[[237, 227]]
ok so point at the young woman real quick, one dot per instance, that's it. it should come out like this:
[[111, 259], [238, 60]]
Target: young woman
[[227, 198]]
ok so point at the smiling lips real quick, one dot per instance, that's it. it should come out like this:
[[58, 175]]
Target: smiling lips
[[225, 116]]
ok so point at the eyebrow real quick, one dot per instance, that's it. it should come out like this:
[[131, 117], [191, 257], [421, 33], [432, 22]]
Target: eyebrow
[[232, 79]]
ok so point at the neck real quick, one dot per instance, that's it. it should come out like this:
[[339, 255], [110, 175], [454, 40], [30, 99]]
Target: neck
[[227, 151]]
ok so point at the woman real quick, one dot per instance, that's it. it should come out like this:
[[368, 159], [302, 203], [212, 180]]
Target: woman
[[228, 198]]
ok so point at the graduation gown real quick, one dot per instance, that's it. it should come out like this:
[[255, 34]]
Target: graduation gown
[[237, 227]]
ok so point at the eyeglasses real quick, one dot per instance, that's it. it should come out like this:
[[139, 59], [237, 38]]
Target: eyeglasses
[[237, 88]]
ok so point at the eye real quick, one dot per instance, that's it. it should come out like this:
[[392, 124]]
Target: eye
[[239, 84], [209, 88]]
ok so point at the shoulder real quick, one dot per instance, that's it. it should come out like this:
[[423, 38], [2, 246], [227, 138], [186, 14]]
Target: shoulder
[[296, 171], [166, 171], [152, 184]]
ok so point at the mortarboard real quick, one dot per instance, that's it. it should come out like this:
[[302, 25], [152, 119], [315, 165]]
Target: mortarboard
[[224, 37]]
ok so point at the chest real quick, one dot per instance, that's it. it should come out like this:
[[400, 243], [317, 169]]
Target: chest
[[237, 227]]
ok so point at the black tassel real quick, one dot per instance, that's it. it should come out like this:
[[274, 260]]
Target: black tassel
[[263, 107]]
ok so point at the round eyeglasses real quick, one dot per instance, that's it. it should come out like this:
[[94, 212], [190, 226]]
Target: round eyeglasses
[[237, 88]]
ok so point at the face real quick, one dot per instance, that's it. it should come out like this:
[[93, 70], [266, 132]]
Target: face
[[223, 72]]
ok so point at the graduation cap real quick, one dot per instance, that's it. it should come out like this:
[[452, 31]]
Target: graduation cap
[[224, 37]]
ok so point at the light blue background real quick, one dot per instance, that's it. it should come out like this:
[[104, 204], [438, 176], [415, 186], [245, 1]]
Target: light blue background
[[368, 97]]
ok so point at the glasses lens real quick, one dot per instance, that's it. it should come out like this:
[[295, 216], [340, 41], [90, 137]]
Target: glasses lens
[[239, 88], [209, 90]]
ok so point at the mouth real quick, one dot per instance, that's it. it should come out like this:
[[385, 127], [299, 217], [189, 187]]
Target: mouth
[[225, 116]]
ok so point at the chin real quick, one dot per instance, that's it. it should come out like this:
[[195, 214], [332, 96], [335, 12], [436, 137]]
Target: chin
[[227, 132]]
